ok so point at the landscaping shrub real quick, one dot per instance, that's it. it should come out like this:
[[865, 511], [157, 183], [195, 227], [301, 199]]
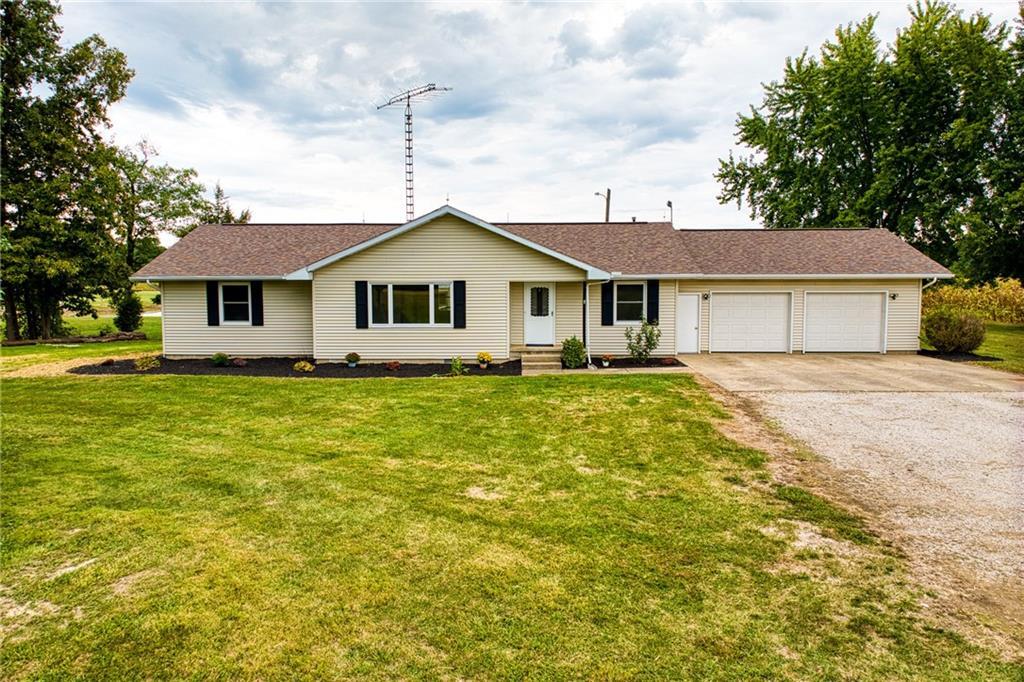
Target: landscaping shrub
[[642, 341], [352, 358], [303, 366], [457, 369], [392, 365], [146, 363], [1001, 301], [239, 362], [574, 353], [953, 331], [129, 313], [220, 359]]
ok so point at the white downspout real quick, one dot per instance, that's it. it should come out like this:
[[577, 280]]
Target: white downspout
[[586, 320], [934, 280]]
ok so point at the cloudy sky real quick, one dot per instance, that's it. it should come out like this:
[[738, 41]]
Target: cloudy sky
[[550, 102]]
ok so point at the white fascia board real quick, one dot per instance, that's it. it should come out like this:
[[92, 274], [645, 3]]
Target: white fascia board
[[592, 272], [887, 275]]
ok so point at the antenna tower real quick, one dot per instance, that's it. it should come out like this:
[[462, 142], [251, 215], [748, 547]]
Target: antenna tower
[[424, 92]]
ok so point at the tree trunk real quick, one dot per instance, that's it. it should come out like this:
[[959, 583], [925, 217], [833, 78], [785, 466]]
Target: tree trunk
[[12, 331]]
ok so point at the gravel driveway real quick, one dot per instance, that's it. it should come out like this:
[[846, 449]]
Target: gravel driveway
[[933, 450]]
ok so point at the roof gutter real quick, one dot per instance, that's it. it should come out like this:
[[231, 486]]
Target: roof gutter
[[205, 278], [782, 275]]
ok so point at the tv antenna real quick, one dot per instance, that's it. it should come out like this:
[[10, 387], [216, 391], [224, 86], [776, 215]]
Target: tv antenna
[[424, 92]]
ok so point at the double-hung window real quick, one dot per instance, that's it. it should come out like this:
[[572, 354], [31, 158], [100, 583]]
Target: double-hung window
[[235, 303], [422, 305], [630, 302]]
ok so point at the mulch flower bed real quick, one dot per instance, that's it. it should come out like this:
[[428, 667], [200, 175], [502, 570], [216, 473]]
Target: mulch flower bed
[[959, 357], [282, 367], [629, 362]]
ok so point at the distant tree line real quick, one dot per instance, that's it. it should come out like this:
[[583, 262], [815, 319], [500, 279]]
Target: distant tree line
[[78, 215], [924, 138]]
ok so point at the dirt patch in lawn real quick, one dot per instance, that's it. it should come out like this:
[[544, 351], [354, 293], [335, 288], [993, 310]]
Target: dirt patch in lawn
[[53, 369], [283, 367], [985, 607]]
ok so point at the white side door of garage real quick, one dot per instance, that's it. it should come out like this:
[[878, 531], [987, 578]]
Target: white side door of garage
[[750, 322], [844, 322]]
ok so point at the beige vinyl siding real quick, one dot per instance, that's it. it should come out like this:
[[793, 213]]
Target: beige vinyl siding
[[515, 313], [902, 317], [613, 339], [568, 310], [444, 250], [287, 323]]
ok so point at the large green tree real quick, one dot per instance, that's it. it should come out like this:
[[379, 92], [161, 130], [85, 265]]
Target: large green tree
[[55, 210], [922, 138], [152, 198]]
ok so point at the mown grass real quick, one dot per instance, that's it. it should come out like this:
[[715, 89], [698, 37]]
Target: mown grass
[[1005, 341], [547, 527], [16, 357]]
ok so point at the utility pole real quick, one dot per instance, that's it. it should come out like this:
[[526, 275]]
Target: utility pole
[[607, 202], [423, 92]]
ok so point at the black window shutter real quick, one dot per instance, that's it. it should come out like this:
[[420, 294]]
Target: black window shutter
[[212, 304], [607, 302], [653, 290], [256, 292], [362, 303], [459, 304]]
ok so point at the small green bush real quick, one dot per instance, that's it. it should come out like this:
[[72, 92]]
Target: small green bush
[[303, 366], [129, 313], [574, 353], [643, 340], [457, 368], [147, 362], [352, 358], [953, 331], [220, 359]]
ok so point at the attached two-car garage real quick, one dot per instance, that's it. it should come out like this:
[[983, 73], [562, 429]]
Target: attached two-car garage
[[762, 322]]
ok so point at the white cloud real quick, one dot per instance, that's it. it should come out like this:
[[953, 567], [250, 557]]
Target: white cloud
[[551, 102]]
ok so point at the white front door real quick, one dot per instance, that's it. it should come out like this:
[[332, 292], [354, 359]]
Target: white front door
[[688, 323], [539, 310]]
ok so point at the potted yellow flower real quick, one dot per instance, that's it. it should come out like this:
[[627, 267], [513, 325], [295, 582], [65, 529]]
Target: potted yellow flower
[[484, 359]]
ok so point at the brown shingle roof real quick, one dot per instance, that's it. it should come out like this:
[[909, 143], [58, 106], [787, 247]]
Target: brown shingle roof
[[629, 248], [806, 252], [255, 250], [638, 248]]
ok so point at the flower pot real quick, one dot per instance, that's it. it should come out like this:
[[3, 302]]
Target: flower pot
[[605, 363], [484, 365], [352, 364]]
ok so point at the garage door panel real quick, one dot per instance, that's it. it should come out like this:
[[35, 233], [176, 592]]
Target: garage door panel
[[751, 322], [844, 322]]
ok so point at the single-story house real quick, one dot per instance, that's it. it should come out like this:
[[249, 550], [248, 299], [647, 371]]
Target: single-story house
[[449, 284]]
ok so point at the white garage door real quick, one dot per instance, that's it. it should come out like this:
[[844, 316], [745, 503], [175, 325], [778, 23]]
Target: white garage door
[[749, 322], [844, 322]]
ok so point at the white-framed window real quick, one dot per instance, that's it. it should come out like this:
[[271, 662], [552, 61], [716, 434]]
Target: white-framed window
[[411, 305], [235, 303], [630, 302]]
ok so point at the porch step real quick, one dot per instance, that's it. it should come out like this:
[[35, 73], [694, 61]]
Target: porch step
[[540, 357], [556, 364]]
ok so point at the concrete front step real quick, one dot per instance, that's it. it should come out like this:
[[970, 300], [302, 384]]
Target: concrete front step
[[542, 365]]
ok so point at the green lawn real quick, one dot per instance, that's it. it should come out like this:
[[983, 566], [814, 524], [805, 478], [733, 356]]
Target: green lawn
[[1004, 341], [472, 528], [15, 357]]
